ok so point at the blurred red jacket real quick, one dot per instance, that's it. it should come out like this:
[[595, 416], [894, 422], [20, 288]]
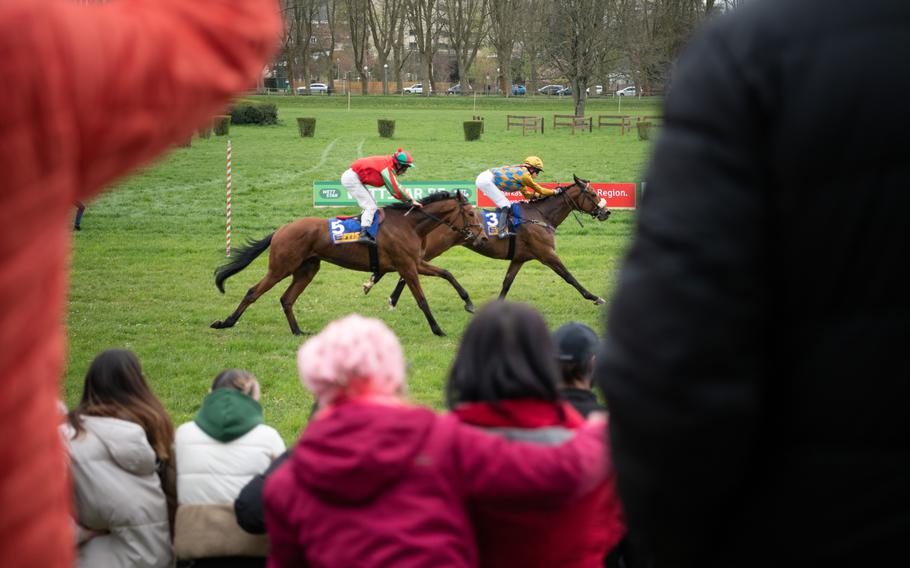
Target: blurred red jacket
[[530, 534], [90, 92], [379, 485]]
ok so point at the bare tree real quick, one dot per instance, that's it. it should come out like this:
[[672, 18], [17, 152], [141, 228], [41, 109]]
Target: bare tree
[[399, 53], [503, 29], [359, 25], [533, 38], [424, 18], [654, 31], [576, 42], [331, 9], [299, 16], [466, 25], [384, 26]]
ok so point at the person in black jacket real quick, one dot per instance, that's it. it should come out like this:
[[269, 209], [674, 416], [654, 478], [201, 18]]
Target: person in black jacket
[[575, 344], [248, 506], [754, 360]]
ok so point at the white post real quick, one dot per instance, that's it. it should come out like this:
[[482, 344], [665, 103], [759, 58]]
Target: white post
[[228, 201], [475, 100]]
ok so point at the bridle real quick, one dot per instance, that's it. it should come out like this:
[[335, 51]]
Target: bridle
[[588, 194], [465, 229]]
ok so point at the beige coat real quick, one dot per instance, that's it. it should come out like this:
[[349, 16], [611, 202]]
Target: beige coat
[[117, 489]]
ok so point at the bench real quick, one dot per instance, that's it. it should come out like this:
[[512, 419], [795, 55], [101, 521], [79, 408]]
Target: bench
[[624, 122], [573, 122], [527, 123]]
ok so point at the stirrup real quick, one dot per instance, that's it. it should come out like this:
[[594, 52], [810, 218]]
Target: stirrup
[[503, 222], [366, 238]]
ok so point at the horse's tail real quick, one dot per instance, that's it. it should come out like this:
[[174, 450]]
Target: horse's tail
[[240, 259]]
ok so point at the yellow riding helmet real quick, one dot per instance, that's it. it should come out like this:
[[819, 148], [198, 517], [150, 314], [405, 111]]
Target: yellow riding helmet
[[534, 162]]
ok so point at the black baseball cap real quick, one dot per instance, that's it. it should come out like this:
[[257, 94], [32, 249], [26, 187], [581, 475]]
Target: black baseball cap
[[575, 341]]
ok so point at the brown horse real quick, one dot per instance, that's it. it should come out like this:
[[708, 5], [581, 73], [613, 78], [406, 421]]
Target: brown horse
[[299, 247], [534, 241]]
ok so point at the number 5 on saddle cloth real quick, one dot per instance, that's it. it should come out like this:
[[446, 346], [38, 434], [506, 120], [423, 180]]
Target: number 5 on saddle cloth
[[491, 222], [346, 229]]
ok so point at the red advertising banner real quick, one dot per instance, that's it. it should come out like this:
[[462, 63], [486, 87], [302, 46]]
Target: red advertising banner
[[618, 195]]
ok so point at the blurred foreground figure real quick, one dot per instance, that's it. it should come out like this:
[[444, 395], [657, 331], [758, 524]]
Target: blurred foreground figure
[[377, 481], [92, 93], [755, 362]]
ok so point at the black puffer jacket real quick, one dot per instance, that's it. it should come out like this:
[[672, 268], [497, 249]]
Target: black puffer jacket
[[755, 361]]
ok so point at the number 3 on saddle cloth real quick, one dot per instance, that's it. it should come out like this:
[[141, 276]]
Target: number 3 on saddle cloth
[[491, 222], [346, 228]]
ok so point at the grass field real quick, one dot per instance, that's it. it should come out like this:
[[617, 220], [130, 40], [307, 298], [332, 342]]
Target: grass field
[[142, 265]]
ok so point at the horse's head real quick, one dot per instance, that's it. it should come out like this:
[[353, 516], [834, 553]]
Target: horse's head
[[458, 213], [583, 198], [471, 220]]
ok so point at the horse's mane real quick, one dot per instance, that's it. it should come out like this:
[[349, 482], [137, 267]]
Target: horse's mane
[[432, 198]]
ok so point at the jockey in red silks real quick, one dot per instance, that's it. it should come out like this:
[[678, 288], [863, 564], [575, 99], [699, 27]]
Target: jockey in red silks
[[376, 171]]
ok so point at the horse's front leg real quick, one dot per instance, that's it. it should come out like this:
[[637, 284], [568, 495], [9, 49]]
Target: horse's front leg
[[553, 261], [409, 275], [427, 269]]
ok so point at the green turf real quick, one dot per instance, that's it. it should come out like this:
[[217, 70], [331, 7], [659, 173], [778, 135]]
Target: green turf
[[142, 265]]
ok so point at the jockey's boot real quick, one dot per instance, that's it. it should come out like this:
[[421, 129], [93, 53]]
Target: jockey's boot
[[503, 221], [366, 237]]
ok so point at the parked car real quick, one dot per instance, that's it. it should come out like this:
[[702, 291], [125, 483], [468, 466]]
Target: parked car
[[519, 90], [598, 90], [315, 89], [626, 92], [454, 89], [415, 89], [564, 92], [550, 89]]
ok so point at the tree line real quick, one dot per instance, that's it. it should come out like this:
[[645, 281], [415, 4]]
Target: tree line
[[578, 42]]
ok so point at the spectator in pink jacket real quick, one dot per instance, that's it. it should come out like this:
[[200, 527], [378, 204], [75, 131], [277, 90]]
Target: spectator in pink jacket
[[375, 481]]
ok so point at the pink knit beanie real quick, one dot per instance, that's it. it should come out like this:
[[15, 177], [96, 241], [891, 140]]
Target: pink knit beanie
[[352, 356]]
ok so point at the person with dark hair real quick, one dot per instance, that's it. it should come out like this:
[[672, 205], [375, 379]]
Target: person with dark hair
[[225, 445], [575, 345], [376, 481], [505, 380], [120, 442], [100, 90], [754, 362]]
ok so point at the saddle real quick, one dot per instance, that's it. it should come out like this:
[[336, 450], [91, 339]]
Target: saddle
[[512, 220], [346, 228]]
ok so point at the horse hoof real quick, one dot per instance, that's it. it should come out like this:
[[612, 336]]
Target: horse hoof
[[469, 308], [217, 325], [599, 302], [367, 286], [391, 304], [439, 333]]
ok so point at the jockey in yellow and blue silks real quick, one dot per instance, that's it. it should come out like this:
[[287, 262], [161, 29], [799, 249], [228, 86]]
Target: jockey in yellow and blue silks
[[495, 181]]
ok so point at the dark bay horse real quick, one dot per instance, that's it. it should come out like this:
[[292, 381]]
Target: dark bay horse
[[298, 248], [535, 239]]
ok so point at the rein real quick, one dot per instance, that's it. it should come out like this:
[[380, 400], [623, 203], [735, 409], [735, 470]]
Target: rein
[[464, 230]]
